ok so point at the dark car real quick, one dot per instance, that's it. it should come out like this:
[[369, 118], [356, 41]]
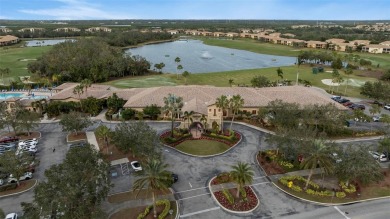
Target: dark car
[[358, 106], [347, 103], [343, 100], [175, 177], [7, 139], [335, 98]]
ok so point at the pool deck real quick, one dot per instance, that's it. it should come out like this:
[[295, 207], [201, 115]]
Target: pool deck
[[25, 93]]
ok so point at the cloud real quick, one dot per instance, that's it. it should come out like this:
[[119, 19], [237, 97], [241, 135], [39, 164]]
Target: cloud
[[75, 10]]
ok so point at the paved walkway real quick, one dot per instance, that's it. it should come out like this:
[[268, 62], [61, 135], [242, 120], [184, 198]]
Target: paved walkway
[[91, 138]]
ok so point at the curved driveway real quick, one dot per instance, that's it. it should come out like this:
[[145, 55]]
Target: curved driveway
[[194, 173]]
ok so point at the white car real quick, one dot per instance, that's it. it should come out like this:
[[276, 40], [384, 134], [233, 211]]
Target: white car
[[136, 166], [378, 156], [376, 118], [27, 143], [26, 176], [34, 140], [387, 107], [12, 216]]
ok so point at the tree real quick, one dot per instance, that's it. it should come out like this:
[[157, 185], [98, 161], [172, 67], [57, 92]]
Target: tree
[[127, 114], [235, 104], [348, 72], [319, 156], [231, 82], [15, 164], [357, 164], [188, 117], [172, 105], [337, 63], [279, 71], [11, 117], [137, 137], [375, 109], [260, 81], [376, 90], [28, 120], [2, 214], [74, 122], [104, 133], [78, 90], [153, 111], [159, 66], [177, 60], [386, 76], [154, 177], [186, 74], [115, 103], [91, 105], [222, 102], [241, 174], [203, 120], [85, 84], [79, 196]]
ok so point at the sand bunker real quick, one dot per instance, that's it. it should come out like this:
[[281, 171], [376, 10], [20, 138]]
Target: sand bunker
[[351, 82], [26, 60]]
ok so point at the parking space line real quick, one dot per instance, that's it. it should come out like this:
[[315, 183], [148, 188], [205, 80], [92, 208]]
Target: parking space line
[[342, 213], [259, 177], [190, 184], [199, 212], [191, 190], [193, 196]]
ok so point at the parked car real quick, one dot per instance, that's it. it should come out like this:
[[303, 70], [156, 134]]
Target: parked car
[[12, 216], [136, 166], [26, 176], [378, 103], [347, 103], [387, 107], [175, 177], [342, 100], [34, 140], [376, 118], [378, 156], [335, 98], [358, 106]]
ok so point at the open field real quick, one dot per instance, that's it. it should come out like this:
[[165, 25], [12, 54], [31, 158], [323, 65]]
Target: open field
[[16, 59], [241, 77]]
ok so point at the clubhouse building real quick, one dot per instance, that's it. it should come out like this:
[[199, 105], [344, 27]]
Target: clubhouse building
[[199, 99]]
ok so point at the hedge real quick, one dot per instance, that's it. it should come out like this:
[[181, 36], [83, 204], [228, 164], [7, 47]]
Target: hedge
[[163, 214]]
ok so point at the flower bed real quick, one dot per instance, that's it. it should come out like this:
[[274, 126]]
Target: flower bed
[[297, 183], [188, 137], [227, 197]]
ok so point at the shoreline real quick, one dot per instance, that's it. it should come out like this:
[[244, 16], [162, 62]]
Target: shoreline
[[148, 43]]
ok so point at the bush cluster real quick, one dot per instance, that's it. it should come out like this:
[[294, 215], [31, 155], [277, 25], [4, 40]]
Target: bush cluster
[[228, 196], [8, 187], [163, 214], [348, 189]]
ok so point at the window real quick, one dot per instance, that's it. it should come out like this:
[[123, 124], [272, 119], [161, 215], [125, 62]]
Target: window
[[215, 112], [209, 110], [253, 111], [224, 113]]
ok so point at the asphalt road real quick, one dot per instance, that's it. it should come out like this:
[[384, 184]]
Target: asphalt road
[[194, 174]]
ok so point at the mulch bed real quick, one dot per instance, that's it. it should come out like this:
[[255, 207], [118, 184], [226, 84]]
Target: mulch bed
[[239, 203], [78, 137], [271, 168], [24, 135]]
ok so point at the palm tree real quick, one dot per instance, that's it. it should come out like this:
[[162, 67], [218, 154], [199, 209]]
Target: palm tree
[[349, 71], [188, 116], [241, 174], [56, 78], [104, 133], [223, 103], [154, 177], [235, 104], [79, 89], [86, 83], [173, 105], [177, 60], [203, 120], [231, 82], [279, 71], [319, 155]]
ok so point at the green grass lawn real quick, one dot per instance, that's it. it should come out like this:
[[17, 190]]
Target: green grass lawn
[[16, 59], [202, 147], [241, 77]]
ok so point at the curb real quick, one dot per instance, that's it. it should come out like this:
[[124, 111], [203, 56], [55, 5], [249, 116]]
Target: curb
[[206, 156], [17, 193], [231, 211]]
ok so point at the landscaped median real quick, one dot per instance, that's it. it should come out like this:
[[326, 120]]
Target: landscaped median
[[225, 194], [209, 144], [13, 189]]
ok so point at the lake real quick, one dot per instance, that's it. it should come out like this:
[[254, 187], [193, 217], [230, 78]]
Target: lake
[[197, 57], [32, 43]]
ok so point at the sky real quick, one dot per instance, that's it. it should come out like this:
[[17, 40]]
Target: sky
[[195, 9]]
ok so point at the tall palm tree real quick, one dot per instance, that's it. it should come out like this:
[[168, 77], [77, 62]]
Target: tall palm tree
[[348, 72], [172, 105], [319, 155], [177, 60], [154, 177], [185, 74], [104, 133], [86, 83], [235, 104], [241, 174], [188, 117], [223, 103], [231, 82], [203, 120]]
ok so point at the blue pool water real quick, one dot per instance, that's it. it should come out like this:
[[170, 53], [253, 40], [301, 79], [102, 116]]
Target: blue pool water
[[4, 96]]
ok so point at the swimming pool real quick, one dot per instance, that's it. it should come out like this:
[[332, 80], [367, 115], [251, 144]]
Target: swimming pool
[[4, 96]]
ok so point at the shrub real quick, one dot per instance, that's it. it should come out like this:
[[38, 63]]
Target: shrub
[[350, 189], [146, 212], [310, 192], [128, 114], [340, 194], [296, 188], [286, 164], [165, 212], [223, 177], [228, 196], [8, 187]]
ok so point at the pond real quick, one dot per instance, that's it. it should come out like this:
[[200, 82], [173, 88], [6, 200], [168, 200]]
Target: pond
[[197, 57], [32, 43]]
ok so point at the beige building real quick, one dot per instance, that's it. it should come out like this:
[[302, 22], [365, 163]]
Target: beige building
[[5, 30], [8, 40], [376, 48], [316, 44], [67, 29], [31, 30], [98, 29], [199, 99]]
